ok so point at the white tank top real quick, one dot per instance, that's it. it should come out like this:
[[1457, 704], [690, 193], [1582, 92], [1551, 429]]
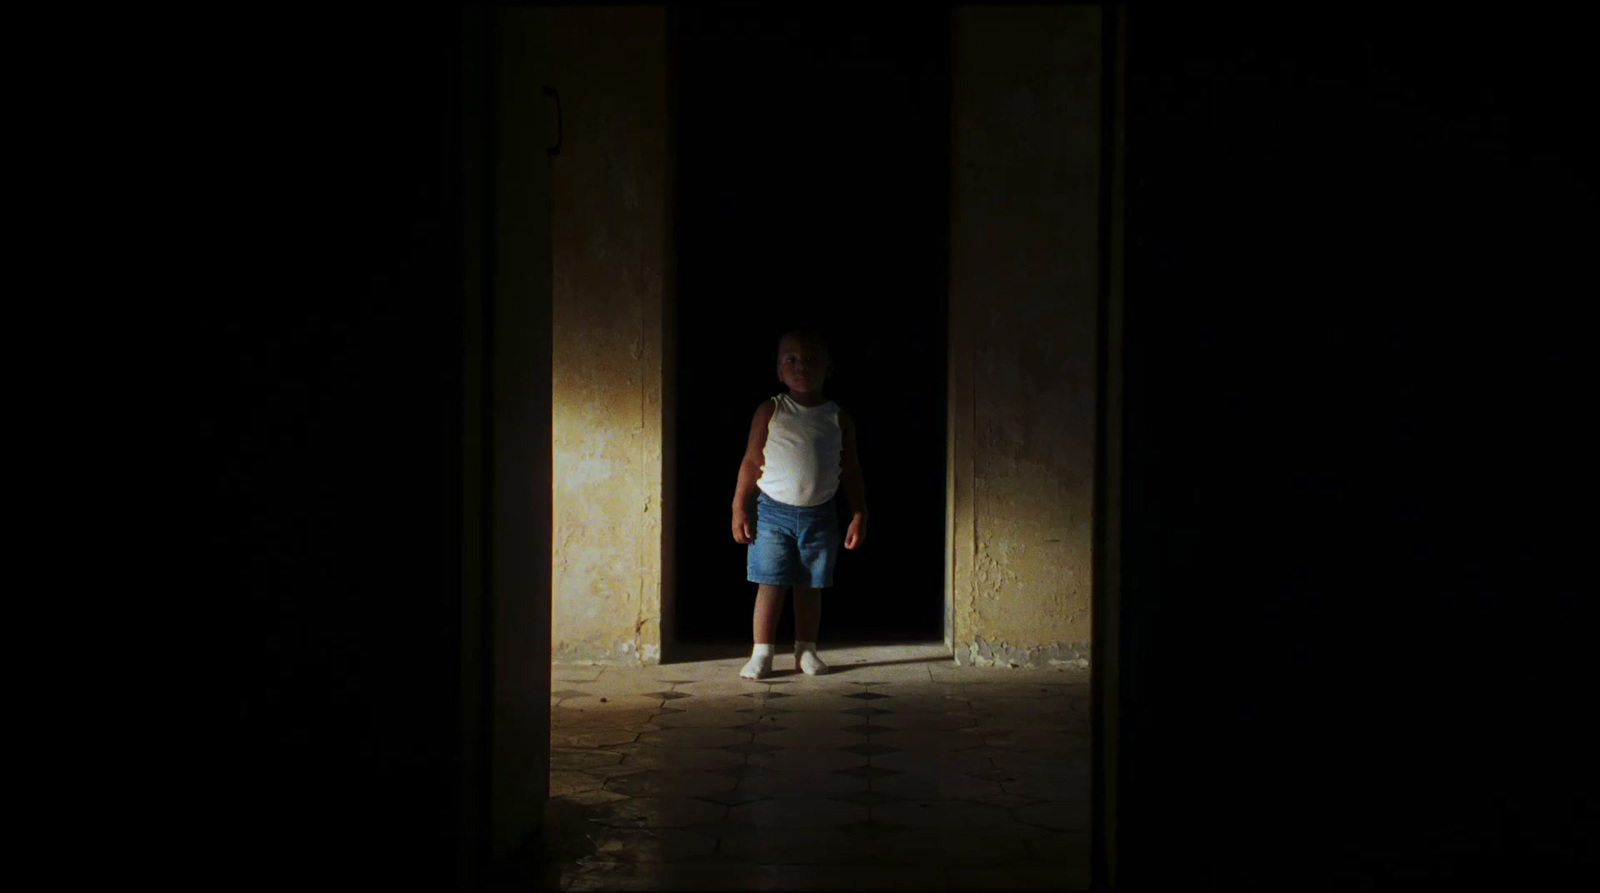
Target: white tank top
[[802, 458]]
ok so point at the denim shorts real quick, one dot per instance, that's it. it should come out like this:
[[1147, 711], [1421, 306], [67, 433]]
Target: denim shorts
[[794, 545]]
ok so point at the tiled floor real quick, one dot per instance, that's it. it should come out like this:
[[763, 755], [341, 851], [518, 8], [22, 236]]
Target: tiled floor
[[897, 771]]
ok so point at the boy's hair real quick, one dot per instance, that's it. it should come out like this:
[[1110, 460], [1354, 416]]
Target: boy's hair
[[807, 335]]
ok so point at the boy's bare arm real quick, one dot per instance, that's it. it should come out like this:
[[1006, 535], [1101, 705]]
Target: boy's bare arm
[[855, 489], [750, 472]]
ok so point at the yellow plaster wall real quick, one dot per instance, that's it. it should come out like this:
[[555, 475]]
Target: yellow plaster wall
[[609, 253], [1024, 197]]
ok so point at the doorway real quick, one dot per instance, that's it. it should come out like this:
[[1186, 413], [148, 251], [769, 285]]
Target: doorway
[[812, 190]]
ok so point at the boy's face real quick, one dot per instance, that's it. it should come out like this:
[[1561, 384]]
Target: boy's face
[[802, 365]]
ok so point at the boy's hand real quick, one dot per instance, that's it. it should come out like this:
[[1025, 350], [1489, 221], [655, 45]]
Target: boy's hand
[[743, 530], [856, 536]]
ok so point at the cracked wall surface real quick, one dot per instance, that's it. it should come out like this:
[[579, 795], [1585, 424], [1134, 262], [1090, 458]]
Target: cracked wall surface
[[1024, 250], [609, 253]]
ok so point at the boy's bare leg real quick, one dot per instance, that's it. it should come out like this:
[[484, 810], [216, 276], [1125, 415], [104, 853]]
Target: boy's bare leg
[[807, 613], [764, 626], [769, 601], [807, 620]]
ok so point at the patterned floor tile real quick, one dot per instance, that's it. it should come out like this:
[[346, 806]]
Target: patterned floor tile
[[722, 703], [650, 756], [568, 717], [1067, 846], [744, 771], [595, 737], [667, 783], [940, 813], [788, 785], [808, 760], [936, 722], [590, 798], [733, 798], [702, 719], [1021, 875], [882, 776], [797, 812], [569, 781], [607, 703], [871, 773], [582, 759], [648, 844], [646, 756], [656, 812], [1038, 740], [815, 846], [1013, 828], [955, 740], [816, 737], [1053, 786], [1021, 762], [1055, 815], [877, 675], [940, 690], [961, 846], [1007, 801], [920, 704], [821, 701], [693, 737], [937, 761], [870, 749], [1007, 694], [714, 688], [1045, 712], [860, 877], [934, 786], [757, 728], [813, 719], [867, 798], [626, 680], [1070, 716], [685, 875], [609, 772]]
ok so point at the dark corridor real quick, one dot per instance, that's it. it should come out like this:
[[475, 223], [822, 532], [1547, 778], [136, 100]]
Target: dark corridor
[[813, 166]]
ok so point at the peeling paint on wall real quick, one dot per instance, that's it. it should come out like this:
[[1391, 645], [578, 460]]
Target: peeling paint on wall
[[981, 653], [625, 653]]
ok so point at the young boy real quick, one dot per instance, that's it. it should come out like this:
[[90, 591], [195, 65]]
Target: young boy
[[802, 450]]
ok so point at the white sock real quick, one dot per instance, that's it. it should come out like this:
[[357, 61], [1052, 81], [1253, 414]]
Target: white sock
[[805, 654], [760, 665]]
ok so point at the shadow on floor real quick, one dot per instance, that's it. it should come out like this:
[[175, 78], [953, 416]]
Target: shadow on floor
[[841, 669], [696, 652]]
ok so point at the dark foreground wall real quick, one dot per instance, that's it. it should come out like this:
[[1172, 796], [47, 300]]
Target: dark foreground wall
[[1356, 259], [333, 320], [1352, 653]]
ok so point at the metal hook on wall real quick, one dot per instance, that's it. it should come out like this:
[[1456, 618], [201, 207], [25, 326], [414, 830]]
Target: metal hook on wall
[[555, 94]]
